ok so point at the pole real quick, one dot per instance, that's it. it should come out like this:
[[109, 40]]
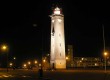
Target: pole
[[41, 67], [42, 50], [105, 63], [103, 38], [7, 62], [104, 45]]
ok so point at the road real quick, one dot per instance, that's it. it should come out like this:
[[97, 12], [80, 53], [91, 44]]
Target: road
[[55, 75]]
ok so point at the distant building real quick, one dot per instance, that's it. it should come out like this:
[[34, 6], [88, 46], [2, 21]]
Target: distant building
[[69, 56], [108, 61], [87, 62]]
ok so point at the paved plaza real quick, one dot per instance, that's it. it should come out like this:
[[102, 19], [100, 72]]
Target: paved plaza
[[55, 75]]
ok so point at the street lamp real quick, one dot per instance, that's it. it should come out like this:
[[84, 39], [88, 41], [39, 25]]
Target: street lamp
[[29, 62], [35, 62], [14, 58], [11, 64], [105, 54], [24, 66], [29, 65], [5, 48], [44, 60], [14, 62], [67, 58], [67, 61]]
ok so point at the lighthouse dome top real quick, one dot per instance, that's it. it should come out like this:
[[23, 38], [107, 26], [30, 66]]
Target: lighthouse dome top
[[57, 11]]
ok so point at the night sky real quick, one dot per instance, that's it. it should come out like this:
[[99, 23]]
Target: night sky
[[25, 27]]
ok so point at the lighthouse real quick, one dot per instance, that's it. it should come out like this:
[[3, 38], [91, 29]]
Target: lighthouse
[[57, 51]]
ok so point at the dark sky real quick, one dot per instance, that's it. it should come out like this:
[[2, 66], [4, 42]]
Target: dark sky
[[25, 27]]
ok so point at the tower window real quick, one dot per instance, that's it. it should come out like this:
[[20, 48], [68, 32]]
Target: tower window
[[60, 44], [53, 31], [59, 35], [60, 54], [52, 20]]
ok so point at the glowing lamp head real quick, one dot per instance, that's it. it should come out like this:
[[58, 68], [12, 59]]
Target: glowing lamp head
[[105, 53], [4, 47], [57, 11], [67, 58], [24, 65], [11, 64]]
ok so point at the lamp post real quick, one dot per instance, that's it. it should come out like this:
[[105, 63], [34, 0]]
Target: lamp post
[[5, 48], [14, 58], [11, 64], [24, 66], [67, 61], [35, 62], [105, 54], [14, 63]]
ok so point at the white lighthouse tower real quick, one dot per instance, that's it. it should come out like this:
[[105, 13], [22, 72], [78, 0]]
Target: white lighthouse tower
[[57, 56]]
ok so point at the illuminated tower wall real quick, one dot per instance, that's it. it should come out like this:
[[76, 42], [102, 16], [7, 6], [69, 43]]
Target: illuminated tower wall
[[57, 56]]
